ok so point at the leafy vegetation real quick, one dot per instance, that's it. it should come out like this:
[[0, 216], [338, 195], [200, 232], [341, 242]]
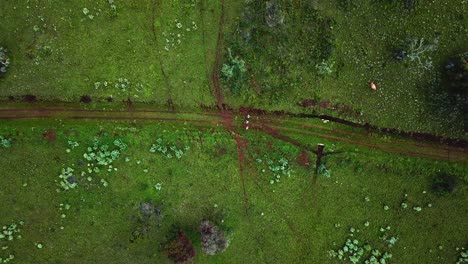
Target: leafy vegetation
[[417, 52], [8, 234], [463, 257], [168, 150], [233, 73], [4, 61], [124, 190], [5, 142], [276, 168], [456, 74]]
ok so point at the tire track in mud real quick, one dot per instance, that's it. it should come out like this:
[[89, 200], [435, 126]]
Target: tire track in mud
[[224, 114], [275, 132], [365, 137], [226, 118]]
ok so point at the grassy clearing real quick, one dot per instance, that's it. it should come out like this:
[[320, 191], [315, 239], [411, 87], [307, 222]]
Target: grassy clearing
[[332, 50], [64, 50], [287, 222]]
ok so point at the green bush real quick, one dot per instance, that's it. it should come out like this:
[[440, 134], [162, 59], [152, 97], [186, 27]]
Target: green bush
[[4, 61], [325, 67], [233, 72], [444, 184], [416, 51], [456, 74], [5, 142]]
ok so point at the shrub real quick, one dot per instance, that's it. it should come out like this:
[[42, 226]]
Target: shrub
[[168, 150], [456, 74], [416, 51], [67, 179], [4, 61], [179, 248], [5, 142], [325, 67], [85, 99], [273, 15], [212, 241], [463, 257], [233, 72], [29, 98], [444, 183]]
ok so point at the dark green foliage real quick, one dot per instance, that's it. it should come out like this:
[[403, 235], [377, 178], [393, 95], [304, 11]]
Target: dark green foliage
[[456, 74], [444, 183], [4, 61], [85, 99], [233, 73], [281, 39], [5, 142]]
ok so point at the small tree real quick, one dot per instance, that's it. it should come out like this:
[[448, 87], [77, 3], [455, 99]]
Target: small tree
[[179, 248], [4, 61], [456, 74], [233, 72], [444, 183], [212, 241]]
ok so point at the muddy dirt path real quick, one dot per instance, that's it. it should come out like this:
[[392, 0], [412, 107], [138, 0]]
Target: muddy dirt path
[[226, 115], [275, 132], [276, 127], [367, 136]]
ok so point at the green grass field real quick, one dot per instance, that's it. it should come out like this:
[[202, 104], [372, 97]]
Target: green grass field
[[58, 52], [359, 38], [291, 221], [123, 122]]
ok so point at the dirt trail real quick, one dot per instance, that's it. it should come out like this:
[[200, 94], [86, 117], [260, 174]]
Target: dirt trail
[[396, 149], [275, 128], [365, 137], [226, 115]]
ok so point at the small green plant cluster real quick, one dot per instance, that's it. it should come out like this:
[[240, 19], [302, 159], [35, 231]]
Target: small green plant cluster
[[174, 39], [113, 8], [278, 168], [233, 72], [100, 155], [97, 11], [87, 13], [8, 234], [167, 150], [355, 251], [67, 179], [463, 257], [417, 52], [456, 74], [121, 84], [324, 171], [5, 142], [325, 67], [72, 144], [7, 259], [4, 61]]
